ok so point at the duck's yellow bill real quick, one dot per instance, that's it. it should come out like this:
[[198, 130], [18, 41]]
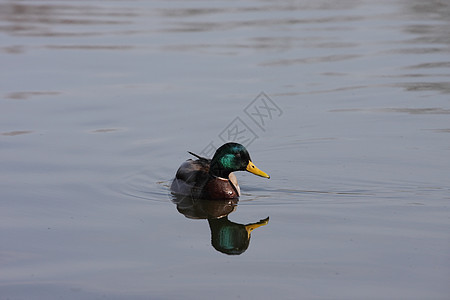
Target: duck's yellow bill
[[253, 169], [250, 227]]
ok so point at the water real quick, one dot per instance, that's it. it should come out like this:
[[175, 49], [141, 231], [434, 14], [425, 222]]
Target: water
[[100, 100]]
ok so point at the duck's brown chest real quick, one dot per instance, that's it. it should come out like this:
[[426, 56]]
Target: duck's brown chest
[[219, 188]]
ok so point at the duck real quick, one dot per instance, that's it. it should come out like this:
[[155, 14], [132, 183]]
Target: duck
[[213, 179]]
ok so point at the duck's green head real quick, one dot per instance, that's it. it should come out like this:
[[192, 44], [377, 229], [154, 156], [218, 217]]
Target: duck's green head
[[232, 157]]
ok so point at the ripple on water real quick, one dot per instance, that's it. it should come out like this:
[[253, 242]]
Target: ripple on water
[[145, 186]]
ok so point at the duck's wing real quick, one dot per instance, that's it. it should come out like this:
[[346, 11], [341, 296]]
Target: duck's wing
[[194, 172], [191, 178]]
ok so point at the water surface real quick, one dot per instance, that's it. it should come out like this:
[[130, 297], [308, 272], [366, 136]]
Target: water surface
[[100, 100]]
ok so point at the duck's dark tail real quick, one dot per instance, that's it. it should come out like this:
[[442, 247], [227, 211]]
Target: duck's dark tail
[[198, 156]]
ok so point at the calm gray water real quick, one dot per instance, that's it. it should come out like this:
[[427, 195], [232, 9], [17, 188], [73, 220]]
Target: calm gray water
[[100, 100]]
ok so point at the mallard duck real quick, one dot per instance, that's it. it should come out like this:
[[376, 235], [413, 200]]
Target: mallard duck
[[213, 178]]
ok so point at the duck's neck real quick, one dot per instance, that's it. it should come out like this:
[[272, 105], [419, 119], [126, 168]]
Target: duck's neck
[[217, 172], [217, 169]]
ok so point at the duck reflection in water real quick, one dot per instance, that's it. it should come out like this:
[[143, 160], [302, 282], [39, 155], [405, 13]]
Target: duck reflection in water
[[207, 189], [226, 236]]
